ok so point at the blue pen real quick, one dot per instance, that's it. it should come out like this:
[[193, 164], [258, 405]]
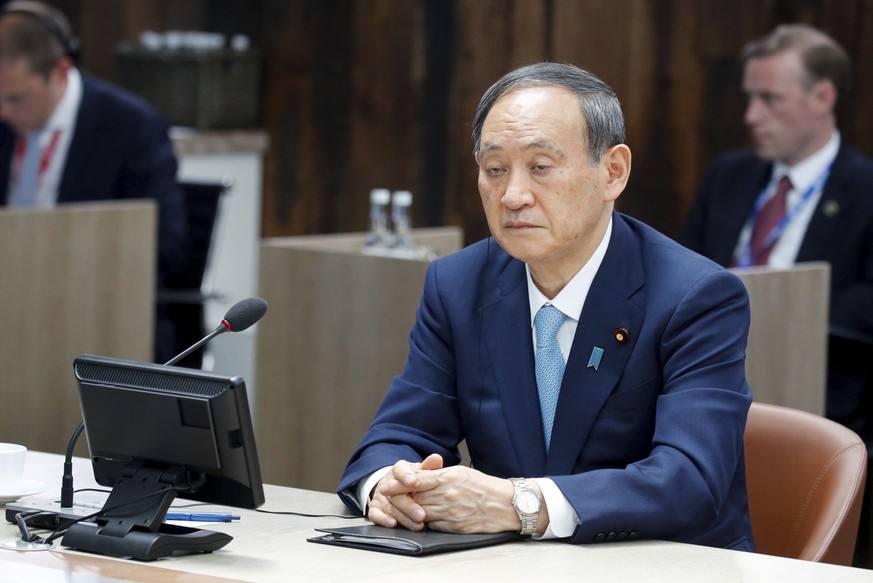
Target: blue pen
[[202, 516]]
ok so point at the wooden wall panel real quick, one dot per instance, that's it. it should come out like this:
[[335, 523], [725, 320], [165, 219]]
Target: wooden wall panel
[[585, 34], [484, 51], [384, 105], [861, 114], [684, 87], [366, 93]]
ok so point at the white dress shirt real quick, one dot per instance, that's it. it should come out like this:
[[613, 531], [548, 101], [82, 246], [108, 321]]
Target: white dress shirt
[[570, 300], [62, 122]]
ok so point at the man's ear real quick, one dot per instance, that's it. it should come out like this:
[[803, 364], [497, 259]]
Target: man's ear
[[617, 163], [62, 67], [824, 95]]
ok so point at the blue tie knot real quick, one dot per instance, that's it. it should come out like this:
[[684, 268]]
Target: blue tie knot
[[547, 322]]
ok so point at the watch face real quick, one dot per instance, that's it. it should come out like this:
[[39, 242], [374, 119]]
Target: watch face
[[527, 502]]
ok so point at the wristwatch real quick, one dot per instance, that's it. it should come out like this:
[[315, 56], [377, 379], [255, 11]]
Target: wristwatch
[[526, 504]]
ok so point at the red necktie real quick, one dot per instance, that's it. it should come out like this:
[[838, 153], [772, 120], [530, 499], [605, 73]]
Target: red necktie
[[768, 218]]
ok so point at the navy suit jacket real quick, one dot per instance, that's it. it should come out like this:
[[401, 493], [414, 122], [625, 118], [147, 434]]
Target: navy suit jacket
[[840, 231], [120, 150], [649, 444]]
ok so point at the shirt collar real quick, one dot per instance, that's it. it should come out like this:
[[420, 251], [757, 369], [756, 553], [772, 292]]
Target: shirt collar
[[571, 299], [805, 173], [64, 116]]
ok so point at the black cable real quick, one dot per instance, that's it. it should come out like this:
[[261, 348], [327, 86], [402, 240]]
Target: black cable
[[67, 479], [287, 512], [62, 530], [100, 490], [20, 519], [26, 536], [305, 515]]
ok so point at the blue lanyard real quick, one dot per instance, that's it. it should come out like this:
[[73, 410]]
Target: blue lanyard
[[745, 259]]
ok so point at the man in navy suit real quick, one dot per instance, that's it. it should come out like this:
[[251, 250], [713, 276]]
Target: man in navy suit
[[646, 437], [793, 78], [68, 137]]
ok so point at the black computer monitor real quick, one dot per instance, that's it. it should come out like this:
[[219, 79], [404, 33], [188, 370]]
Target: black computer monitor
[[155, 432]]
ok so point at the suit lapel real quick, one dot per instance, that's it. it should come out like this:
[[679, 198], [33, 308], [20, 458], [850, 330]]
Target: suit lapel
[[608, 307], [7, 146], [741, 202], [507, 342], [832, 206], [81, 147]]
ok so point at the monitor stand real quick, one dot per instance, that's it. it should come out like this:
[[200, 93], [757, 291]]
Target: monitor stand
[[144, 545], [132, 524]]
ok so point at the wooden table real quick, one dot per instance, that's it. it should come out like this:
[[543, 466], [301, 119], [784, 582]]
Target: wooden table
[[272, 547]]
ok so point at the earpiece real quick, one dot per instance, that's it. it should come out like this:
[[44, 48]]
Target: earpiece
[[69, 42]]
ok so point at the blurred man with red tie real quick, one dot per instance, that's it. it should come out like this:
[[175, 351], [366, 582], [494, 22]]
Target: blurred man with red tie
[[804, 195], [68, 137]]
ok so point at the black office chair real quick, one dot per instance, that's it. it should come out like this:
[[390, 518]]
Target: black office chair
[[182, 299]]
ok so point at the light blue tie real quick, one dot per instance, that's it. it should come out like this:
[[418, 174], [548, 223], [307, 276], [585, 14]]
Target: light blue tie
[[23, 192], [549, 364]]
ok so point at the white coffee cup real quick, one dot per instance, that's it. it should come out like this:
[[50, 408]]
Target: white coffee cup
[[11, 465]]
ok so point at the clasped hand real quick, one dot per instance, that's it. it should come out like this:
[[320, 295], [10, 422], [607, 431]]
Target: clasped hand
[[454, 499]]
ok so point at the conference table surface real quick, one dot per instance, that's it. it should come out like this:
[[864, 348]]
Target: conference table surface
[[273, 547]]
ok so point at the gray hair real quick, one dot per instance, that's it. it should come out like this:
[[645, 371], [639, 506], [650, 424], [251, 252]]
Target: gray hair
[[599, 104]]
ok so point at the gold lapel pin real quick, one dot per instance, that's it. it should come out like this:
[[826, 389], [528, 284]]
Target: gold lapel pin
[[830, 208], [621, 335]]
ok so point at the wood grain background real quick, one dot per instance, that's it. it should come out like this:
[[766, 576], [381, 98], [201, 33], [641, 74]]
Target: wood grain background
[[366, 93]]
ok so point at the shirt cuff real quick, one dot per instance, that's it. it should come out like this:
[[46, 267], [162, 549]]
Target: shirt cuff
[[365, 486], [563, 520]]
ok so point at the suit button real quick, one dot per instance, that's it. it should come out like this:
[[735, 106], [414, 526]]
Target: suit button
[[611, 536], [621, 536], [633, 534], [599, 538]]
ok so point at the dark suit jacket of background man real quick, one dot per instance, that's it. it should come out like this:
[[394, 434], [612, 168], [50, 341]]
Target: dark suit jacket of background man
[[470, 374], [840, 232], [120, 150]]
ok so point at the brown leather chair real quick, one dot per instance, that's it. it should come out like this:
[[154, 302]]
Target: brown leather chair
[[805, 476]]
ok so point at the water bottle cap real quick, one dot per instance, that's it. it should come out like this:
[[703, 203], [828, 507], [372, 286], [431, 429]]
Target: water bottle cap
[[402, 198], [380, 196]]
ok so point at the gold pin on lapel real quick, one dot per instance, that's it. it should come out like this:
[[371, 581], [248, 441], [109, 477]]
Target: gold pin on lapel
[[621, 335], [830, 208]]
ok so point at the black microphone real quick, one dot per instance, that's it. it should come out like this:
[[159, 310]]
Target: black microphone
[[240, 316], [243, 314]]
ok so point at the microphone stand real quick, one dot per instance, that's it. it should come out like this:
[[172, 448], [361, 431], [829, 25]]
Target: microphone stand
[[222, 328]]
